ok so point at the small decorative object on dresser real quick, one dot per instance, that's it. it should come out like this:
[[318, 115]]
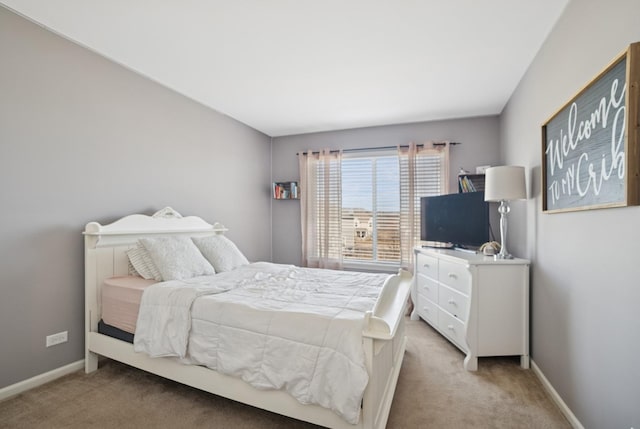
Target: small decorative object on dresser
[[479, 304], [490, 248]]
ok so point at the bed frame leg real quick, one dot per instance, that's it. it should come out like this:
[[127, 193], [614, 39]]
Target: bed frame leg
[[90, 362]]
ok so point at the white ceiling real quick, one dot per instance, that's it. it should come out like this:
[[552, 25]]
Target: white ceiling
[[297, 66]]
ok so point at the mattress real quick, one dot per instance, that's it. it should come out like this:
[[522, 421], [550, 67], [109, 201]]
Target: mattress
[[121, 301]]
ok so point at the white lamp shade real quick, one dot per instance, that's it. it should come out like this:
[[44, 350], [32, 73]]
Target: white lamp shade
[[505, 183]]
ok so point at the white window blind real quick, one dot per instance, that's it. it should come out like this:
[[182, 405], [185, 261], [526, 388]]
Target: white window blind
[[374, 207], [370, 208], [422, 175], [329, 209]]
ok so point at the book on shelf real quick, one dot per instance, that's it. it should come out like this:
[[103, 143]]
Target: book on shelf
[[466, 185], [471, 182]]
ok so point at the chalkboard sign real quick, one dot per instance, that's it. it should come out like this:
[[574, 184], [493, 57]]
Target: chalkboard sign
[[590, 146]]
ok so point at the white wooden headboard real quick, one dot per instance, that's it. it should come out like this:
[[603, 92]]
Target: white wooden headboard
[[105, 248]]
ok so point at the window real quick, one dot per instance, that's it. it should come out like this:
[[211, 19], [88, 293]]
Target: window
[[370, 208], [372, 203], [364, 208]]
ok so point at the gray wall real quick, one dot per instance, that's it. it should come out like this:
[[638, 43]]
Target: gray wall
[[585, 289], [479, 138], [83, 139]]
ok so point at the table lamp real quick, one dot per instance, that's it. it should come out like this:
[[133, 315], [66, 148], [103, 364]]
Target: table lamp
[[503, 184]]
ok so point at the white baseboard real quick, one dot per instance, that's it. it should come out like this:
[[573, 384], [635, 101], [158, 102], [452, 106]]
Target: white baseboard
[[23, 386], [573, 420]]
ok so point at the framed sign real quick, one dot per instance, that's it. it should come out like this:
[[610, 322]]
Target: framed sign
[[590, 155]]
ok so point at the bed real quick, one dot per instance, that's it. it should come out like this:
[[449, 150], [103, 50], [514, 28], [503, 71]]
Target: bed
[[111, 295]]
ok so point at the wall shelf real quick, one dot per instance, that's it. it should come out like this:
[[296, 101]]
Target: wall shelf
[[470, 182], [285, 191]]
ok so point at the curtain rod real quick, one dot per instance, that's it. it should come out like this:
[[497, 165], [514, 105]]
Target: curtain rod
[[380, 148]]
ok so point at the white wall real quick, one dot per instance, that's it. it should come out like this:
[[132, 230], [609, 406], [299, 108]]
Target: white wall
[[479, 138], [83, 139], [585, 287]]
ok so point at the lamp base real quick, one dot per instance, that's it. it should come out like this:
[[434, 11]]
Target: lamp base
[[499, 256], [503, 210]]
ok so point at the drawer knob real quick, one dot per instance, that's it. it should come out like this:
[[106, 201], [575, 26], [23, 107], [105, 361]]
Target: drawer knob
[[426, 266], [450, 327], [452, 276], [453, 302]]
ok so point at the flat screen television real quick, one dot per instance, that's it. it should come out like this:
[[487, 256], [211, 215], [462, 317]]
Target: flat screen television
[[455, 220]]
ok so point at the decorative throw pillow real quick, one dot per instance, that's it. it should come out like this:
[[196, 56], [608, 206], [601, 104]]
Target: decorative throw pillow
[[223, 254], [177, 258], [132, 269], [142, 264]]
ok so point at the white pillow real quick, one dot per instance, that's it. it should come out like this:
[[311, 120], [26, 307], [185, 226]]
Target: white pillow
[[177, 258], [142, 263], [223, 254]]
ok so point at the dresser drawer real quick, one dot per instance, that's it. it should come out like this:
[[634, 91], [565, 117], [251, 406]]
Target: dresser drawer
[[453, 302], [428, 310], [427, 287], [455, 275], [452, 328], [427, 265]]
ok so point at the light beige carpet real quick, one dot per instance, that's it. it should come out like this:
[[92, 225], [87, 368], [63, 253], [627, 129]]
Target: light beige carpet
[[433, 391]]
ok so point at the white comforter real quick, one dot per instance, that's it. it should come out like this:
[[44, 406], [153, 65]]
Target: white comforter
[[274, 326]]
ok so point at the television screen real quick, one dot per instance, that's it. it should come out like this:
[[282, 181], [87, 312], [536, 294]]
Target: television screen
[[460, 220]]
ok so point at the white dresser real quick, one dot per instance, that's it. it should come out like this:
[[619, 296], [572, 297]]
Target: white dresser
[[479, 304]]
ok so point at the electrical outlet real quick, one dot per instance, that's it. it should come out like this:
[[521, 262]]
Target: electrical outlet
[[60, 337]]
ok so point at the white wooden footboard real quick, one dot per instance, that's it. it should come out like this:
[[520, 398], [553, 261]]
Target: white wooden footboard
[[383, 337], [384, 368], [384, 344]]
